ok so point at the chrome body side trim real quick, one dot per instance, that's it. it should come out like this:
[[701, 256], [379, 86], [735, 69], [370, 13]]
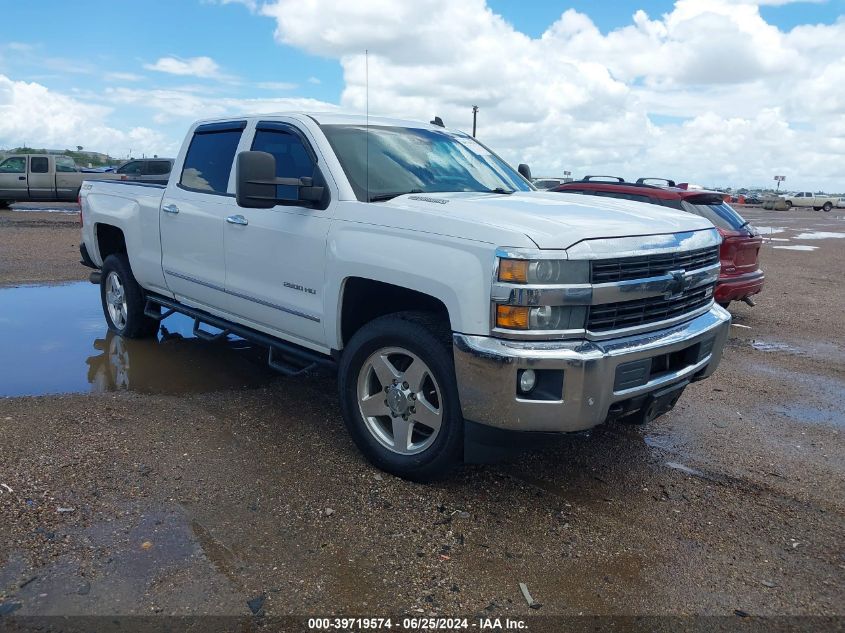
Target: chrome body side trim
[[233, 293]]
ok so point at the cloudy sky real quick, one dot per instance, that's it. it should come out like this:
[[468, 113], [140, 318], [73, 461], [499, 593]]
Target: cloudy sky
[[719, 92]]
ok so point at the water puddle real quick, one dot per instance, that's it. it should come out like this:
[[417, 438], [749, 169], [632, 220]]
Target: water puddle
[[769, 230], [808, 414], [55, 340], [819, 235], [686, 469], [797, 247], [770, 346]]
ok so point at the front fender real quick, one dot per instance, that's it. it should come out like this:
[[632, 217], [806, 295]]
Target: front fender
[[453, 270]]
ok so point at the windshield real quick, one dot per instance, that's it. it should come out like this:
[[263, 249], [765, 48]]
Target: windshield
[[417, 160]]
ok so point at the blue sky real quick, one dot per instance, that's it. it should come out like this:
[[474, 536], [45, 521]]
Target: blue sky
[[101, 56]]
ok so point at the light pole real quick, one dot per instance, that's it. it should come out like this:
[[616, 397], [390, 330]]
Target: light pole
[[474, 116]]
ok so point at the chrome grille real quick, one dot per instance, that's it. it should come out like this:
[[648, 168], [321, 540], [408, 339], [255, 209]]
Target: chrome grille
[[623, 314], [609, 270]]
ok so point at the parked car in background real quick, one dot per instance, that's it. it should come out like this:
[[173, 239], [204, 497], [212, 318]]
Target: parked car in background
[[740, 275], [840, 203], [564, 314], [154, 170], [548, 183], [808, 199], [37, 177]]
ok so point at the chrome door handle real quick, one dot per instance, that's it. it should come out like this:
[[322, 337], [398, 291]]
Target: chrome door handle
[[170, 208], [237, 219]]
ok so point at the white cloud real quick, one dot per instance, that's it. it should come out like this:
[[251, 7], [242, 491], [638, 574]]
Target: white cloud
[[176, 105], [31, 113], [751, 99], [314, 80], [277, 85], [202, 66], [122, 76]]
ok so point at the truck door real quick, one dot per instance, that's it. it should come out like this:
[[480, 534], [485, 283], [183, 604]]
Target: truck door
[[41, 180], [275, 258], [193, 213], [13, 179]]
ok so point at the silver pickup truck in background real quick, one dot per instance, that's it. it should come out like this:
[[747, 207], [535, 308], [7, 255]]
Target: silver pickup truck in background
[[47, 177]]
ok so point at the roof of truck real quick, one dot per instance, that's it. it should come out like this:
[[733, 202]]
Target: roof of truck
[[331, 118]]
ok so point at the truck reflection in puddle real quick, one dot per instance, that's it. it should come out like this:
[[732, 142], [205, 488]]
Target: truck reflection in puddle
[[174, 363], [46, 347]]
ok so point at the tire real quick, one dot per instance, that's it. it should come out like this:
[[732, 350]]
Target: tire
[[827, 207], [123, 300], [725, 304], [817, 208], [788, 204], [414, 349]]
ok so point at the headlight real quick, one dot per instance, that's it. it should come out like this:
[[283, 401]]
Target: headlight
[[543, 271], [540, 318]]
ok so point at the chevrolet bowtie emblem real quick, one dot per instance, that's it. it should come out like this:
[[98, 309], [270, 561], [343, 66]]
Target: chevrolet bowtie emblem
[[676, 286]]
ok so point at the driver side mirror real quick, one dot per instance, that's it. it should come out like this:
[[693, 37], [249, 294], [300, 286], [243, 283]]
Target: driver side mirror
[[525, 170], [256, 182]]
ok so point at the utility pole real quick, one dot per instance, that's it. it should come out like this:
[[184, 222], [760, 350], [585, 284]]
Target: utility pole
[[474, 116]]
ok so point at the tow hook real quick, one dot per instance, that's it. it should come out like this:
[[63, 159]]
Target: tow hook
[[749, 301]]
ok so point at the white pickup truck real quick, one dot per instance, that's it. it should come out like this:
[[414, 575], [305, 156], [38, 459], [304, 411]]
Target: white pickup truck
[[808, 199], [463, 310]]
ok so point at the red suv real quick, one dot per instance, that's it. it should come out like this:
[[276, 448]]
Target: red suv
[[740, 276]]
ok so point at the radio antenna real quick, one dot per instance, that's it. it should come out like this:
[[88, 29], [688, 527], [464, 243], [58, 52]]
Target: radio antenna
[[367, 116]]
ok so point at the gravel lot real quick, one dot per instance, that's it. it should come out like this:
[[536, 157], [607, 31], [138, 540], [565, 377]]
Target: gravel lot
[[210, 486]]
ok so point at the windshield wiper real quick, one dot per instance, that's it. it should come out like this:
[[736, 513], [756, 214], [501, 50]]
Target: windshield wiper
[[380, 197], [501, 190]]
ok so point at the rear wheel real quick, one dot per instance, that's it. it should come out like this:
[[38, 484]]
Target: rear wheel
[[123, 300], [788, 204], [827, 207], [399, 395]]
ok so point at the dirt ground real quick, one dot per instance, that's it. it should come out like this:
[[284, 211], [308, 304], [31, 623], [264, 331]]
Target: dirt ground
[[40, 246], [178, 477]]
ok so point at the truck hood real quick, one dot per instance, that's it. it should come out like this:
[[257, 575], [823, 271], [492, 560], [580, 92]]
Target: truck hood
[[551, 219]]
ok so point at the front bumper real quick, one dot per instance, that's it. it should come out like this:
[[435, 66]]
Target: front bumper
[[487, 371], [739, 286]]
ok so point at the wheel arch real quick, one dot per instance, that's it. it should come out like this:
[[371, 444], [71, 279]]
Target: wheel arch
[[110, 240], [363, 300]]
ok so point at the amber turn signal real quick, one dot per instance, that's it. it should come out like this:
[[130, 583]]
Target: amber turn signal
[[512, 317], [513, 270]]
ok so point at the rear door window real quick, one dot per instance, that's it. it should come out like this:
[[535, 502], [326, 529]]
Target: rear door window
[[721, 214], [210, 157], [39, 165]]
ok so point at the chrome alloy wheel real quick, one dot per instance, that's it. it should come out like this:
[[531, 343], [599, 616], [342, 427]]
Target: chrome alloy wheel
[[400, 400], [116, 300]]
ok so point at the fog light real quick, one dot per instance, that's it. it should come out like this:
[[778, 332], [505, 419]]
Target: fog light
[[527, 380]]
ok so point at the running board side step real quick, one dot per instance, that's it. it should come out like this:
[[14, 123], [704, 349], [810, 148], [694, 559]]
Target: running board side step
[[286, 358]]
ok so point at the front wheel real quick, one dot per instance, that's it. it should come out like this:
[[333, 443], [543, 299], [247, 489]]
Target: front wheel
[[123, 300], [788, 204], [399, 395]]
